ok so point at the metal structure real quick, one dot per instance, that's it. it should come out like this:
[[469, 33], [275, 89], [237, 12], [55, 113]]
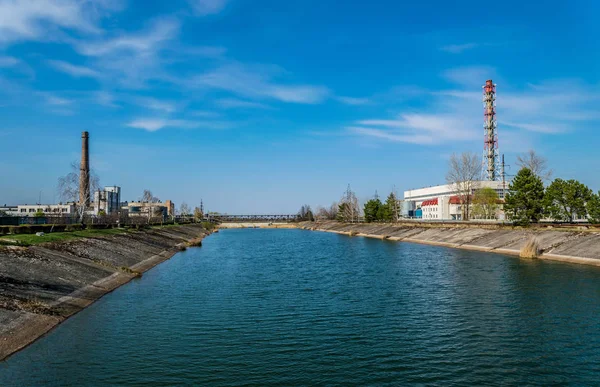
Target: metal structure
[[255, 218], [491, 156]]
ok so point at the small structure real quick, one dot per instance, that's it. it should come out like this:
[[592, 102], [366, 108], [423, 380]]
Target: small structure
[[148, 210]]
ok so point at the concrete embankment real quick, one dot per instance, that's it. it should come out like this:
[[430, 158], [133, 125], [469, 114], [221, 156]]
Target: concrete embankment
[[42, 285], [576, 246]]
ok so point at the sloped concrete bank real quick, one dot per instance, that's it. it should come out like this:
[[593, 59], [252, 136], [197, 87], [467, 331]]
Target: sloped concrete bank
[[575, 246], [42, 285]]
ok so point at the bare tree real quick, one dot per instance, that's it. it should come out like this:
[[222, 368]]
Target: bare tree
[[463, 174], [536, 163], [348, 208], [329, 213], [184, 209], [68, 189], [148, 197]]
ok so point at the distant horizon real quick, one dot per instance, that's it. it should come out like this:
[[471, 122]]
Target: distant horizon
[[264, 106]]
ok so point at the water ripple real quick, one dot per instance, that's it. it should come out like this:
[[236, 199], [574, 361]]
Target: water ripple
[[291, 307]]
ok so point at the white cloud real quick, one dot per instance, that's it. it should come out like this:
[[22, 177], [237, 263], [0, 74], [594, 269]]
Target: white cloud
[[73, 70], [57, 101], [204, 113], [133, 58], [353, 101], [105, 98], [456, 115], [208, 7], [154, 124], [390, 136], [257, 82], [156, 104], [413, 128], [41, 19], [8, 61], [470, 77], [159, 32], [458, 48], [229, 103]]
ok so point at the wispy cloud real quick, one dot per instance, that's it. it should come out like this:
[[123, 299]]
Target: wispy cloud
[[208, 7], [157, 104], [257, 82], [232, 103], [52, 99], [353, 101], [35, 19], [453, 115], [413, 128], [8, 61], [132, 58], [105, 98], [458, 48], [73, 70], [204, 113], [154, 124], [470, 77]]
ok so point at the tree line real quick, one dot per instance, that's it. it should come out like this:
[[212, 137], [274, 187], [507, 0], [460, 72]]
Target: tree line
[[528, 201]]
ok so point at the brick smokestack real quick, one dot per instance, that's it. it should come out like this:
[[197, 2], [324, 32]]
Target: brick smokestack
[[84, 172]]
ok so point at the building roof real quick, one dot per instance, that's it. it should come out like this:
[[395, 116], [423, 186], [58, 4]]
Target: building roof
[[430, 202]]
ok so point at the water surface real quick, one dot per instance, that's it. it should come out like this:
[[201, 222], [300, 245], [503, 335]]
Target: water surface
[[294, 307]]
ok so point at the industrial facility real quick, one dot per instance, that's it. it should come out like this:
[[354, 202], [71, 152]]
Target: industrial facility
[[93, 205], [444, 202]]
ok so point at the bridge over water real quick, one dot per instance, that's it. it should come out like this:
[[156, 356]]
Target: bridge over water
[[255, 218]]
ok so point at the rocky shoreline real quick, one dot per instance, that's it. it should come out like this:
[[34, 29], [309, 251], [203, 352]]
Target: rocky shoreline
[[42, 285], [574, 246]]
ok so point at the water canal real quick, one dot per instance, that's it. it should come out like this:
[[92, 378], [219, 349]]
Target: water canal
[[295, 307]]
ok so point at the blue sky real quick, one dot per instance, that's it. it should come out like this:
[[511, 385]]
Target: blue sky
[[262, 106]]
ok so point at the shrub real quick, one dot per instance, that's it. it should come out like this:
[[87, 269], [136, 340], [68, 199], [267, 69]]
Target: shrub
[[73, 227], [531, 249]]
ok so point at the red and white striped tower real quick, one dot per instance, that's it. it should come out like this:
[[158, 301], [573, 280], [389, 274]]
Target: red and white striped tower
[[491, 155]]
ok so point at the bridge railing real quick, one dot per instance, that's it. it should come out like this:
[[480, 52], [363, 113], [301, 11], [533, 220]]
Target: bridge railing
[[256, 218]]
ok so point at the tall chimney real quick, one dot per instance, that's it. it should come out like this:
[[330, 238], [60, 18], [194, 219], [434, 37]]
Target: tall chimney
[[84, 172]]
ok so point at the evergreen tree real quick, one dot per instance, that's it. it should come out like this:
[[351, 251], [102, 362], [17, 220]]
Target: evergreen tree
[[524, 201], [372, 209], [593, 208], [343, 212], [391, 211], [564, 200]]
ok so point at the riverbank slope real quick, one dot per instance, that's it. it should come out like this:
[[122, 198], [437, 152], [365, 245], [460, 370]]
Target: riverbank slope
[[44, 284], [576, 246]]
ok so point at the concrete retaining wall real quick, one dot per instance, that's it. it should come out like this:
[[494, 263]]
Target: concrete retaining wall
[[577, 246], [42, 285]]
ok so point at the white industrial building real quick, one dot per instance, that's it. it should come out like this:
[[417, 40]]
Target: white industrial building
[[107, 201], [442, 202], [46, 209]]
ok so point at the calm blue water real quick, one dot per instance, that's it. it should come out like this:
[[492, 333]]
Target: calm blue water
[[293, 307]]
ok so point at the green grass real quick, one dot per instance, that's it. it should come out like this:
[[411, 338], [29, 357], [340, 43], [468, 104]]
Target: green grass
[[32, 239]]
